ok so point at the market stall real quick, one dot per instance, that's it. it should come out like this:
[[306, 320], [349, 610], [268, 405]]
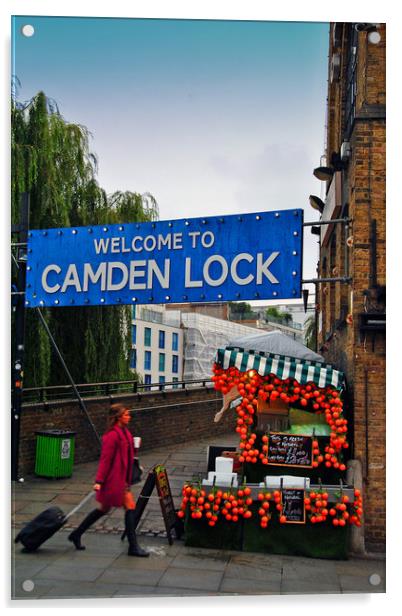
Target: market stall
[[289, 494]]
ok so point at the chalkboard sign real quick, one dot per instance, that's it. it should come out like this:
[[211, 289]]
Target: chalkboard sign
[[158, 476], [143, 498], [293, 506], [166, 500], [290, 450]]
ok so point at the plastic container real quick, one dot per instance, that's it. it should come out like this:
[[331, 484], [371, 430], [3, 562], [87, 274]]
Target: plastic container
[[223, 465], [54, 453]]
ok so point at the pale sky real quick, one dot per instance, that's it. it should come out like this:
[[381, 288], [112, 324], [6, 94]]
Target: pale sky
[[117, 172], [210, 117]]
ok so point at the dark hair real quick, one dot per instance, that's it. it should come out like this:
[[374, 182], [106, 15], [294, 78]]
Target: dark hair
[[115, 412]]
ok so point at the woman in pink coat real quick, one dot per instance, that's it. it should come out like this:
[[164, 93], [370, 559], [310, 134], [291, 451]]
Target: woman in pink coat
[[113, 479]]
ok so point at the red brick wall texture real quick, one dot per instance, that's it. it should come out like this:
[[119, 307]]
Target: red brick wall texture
[[159, 418], [361, 356]]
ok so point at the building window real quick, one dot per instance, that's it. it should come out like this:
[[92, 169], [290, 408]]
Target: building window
[[147, 336], [161, 339], [175, 382], [134, 333], [133, 359], [175, 342], [161, 362], [161, 380], [151, 315], [175, 363], [147, 379], [147, 360]]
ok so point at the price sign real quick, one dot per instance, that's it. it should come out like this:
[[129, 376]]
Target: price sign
[[290, 450], [293, 506]]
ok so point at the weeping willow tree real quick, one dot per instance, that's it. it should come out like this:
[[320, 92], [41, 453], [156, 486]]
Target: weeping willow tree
[[51, 159]]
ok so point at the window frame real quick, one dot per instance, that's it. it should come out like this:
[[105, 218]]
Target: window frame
[[147, 355], [146, 330]]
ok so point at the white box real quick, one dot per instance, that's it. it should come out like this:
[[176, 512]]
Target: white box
[[222, 479], [288, 481], [223, 465], [221, 476]]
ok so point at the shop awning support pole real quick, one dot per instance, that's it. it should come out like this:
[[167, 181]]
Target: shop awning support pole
[[366, 422]]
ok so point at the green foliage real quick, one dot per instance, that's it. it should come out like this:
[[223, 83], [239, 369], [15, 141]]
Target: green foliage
[[240, 307], [241, 311], [274, 313], [51, 159]]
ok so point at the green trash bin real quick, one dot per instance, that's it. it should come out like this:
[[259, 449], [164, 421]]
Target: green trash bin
[[54, 453]]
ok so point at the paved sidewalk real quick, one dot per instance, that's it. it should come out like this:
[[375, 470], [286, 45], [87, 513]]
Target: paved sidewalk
[[57, 570]]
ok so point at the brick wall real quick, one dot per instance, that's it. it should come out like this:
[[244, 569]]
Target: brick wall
[[160, 418], [361, 356]]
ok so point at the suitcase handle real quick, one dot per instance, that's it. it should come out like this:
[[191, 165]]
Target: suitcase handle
[[80, 504]]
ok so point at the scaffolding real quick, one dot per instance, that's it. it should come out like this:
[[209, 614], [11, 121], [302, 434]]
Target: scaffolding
[[203, 335]]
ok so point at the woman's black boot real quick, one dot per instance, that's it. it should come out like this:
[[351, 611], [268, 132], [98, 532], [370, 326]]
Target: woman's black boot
[[134, 549], [76, 535]]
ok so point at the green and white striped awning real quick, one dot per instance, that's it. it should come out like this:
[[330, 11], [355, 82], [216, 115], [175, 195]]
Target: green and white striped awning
[[303, 371]]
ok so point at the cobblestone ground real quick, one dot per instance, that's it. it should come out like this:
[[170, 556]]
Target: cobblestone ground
[[57, 570], [36, 494]]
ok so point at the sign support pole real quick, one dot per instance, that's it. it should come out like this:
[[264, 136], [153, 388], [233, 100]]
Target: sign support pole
[[158, 477], [17, 372], [70, 378]]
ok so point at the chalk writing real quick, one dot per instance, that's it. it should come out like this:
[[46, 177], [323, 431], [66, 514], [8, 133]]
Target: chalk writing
[[290, 450], [293, 506]]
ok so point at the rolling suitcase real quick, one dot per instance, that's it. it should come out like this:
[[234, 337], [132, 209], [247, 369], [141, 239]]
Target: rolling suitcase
[[46, 524]]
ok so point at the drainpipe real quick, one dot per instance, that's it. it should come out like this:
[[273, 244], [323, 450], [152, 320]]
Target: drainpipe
[[366, 477]]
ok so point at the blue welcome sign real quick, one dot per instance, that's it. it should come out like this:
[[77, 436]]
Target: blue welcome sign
[[226, 258]]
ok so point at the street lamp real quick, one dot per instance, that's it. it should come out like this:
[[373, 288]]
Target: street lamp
[[323, 173], [316, 203]]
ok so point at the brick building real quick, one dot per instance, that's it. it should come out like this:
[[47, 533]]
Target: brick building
[[351, 315]]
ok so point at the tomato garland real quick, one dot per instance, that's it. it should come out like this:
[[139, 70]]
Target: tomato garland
[[263, 511], [316, 505], [339, 511], [253, 387], [317, 457], [234, 504], [231, 504], [356, 509]]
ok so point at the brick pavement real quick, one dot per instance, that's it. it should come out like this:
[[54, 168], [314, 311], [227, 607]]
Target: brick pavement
[[105, 570]]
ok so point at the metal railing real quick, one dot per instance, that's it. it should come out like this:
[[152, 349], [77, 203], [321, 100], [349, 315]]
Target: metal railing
[[250, 316], [280, 321], [51, 393], [243, 316]]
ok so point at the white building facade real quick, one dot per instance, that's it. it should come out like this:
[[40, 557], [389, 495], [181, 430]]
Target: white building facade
[[157, 346], [169, 346]]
